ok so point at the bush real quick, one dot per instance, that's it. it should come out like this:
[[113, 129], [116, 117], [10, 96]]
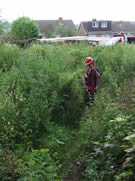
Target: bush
[[24, 28], [33, 166], [39, 166], [10, 55], [64, 31]]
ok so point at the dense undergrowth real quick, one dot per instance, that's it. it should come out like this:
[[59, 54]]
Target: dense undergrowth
[[47, 133]]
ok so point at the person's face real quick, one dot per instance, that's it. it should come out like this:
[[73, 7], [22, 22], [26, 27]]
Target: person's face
[[91, 65]]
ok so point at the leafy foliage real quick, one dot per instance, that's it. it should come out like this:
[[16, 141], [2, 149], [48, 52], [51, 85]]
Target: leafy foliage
[[9, 56], [4, 25], [45, 126], [49, 31], [64, 31], [24, 28]]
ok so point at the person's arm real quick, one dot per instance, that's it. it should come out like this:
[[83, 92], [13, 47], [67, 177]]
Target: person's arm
[[86, 75], [97, 72]]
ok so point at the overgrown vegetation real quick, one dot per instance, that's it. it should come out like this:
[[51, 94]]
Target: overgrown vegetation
[[47, 133]]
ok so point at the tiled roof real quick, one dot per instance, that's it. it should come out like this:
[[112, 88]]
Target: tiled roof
[[113, 26], [123, 26], [88, 26], [43, 24]]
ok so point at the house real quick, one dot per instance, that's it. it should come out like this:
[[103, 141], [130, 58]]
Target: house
[[95, 28], [123, 26], [50, 25], [105, 28]]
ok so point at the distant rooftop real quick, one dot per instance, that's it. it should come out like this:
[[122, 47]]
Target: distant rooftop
[[43, 24]]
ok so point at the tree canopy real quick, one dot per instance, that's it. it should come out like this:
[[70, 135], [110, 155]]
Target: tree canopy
[[24, 28], [65, 31], [4, 25]]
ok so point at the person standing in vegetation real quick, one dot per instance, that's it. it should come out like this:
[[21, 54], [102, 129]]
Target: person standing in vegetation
[[91, 77]]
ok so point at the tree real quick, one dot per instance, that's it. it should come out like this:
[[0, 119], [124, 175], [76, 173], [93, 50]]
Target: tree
[[49, 31], [24, 28], [4, 25], [65, 31]]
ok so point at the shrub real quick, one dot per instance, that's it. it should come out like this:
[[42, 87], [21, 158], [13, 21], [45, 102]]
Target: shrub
[[33, 166], [64, 31], [10, 55], [24, 28], [39, 166]]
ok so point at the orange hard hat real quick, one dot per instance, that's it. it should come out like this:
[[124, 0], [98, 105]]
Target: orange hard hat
[[88, 60]]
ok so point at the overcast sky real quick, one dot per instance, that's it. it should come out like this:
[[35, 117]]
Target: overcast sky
[[77, 10]]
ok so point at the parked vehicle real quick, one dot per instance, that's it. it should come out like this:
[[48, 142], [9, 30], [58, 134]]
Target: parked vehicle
[[114, 41], [131, 39], [121, 38]]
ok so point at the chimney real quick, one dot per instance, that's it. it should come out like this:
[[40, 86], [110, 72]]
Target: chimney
[[60, 21]]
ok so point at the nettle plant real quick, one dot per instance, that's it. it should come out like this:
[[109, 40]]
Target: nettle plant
[[39, 166]]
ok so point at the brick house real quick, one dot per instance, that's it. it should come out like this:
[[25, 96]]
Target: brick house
[[105, 28], [95, 28], [123, 26]]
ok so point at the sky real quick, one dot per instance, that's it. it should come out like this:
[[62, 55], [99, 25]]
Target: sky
[[76, 10]]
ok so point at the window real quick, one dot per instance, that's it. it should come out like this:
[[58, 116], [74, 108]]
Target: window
[[104, 24], [92, 35], [95, 24], [105, 35]]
